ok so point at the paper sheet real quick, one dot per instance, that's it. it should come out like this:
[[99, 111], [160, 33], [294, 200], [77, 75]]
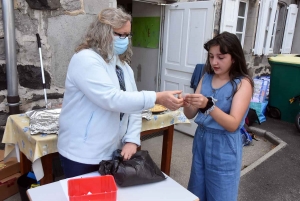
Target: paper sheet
[[14, 153], [37, 168]]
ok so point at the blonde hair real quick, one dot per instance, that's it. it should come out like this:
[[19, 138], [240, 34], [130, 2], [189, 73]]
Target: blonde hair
[[100, 34]]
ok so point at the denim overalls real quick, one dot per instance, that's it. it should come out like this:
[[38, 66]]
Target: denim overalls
[[217, 153]]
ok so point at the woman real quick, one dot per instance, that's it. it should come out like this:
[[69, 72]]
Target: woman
[[221, 101], [101, 110]]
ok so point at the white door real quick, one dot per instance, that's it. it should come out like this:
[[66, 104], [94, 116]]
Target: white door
[[187, 27]]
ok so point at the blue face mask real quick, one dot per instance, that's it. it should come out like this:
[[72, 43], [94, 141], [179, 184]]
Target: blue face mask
[[120, 45]]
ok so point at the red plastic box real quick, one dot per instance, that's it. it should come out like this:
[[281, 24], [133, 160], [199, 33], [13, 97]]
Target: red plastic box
[[102, 188]]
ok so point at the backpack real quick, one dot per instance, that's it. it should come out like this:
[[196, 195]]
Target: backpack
[[251, 117], [246, 137]]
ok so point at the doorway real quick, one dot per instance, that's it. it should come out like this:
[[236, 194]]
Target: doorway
[[167, 62], [126, 5], [145, 57]]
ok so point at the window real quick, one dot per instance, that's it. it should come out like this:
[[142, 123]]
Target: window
[[271, 27], [266, 32], [241, 21], [234, 17], [266, 27], [280, 27], [289, 29], [274, 24]]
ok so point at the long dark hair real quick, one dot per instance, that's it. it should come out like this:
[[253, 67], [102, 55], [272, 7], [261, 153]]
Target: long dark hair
[[230, 44]]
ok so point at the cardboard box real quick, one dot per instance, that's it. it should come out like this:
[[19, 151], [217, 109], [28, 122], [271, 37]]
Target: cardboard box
[[8, 168], [9, 186], [1, 155]]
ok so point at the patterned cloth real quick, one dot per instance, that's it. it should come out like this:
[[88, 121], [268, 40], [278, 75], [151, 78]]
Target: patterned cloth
[[120, 75], [35, 146]]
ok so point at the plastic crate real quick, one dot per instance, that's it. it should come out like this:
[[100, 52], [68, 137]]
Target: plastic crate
[[101, 188]]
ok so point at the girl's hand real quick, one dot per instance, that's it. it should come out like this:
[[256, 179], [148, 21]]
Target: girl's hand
[[196, 100], [128, 150], [185, 103]]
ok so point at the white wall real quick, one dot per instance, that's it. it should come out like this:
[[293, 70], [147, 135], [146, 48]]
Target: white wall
[[145, 60]]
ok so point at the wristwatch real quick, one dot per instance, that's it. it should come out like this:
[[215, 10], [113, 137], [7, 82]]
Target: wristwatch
[[210, 106]]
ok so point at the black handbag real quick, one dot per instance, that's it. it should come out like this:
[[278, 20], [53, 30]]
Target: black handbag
[[139, 169]]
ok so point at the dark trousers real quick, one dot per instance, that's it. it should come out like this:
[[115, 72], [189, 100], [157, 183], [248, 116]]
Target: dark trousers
[[73, 169]]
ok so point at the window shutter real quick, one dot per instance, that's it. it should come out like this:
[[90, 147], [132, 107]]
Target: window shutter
[[270, 26], [289, 29], [229, 15], [261, 26]]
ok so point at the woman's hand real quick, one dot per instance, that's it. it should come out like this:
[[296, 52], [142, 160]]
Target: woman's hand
[[185, 103], [169, 99], [196, 100], [128, 150]]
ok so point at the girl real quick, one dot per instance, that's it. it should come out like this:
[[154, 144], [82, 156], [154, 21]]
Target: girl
[[221, 101]]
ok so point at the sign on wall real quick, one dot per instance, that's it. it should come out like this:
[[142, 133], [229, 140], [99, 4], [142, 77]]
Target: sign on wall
[[145, 32]]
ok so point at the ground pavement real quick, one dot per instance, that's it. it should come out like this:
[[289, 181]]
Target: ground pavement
[[277, 178]]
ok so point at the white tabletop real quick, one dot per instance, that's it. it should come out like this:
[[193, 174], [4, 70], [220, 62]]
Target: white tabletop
[[167, 190]]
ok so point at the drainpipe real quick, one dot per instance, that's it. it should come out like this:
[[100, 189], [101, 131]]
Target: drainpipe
[[13, 98]]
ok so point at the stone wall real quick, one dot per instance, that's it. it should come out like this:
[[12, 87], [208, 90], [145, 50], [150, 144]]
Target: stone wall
[[60, 24]]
